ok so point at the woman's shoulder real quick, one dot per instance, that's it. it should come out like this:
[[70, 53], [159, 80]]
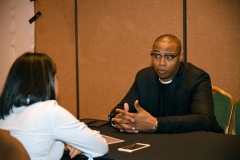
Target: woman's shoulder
[[49, 103], [42, 106], [54, 107]]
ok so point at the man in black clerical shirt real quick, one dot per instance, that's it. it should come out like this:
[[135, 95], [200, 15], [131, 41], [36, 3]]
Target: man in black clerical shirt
[[171, 96]]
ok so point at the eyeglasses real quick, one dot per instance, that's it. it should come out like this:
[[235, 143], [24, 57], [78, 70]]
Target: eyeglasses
[[167, 57]]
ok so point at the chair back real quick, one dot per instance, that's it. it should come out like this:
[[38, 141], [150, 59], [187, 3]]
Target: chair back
[[11, 148], [236, 119], [223, 108]]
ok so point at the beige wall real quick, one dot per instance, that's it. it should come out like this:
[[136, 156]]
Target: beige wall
[[213, 35], [55, 36], [115, 38]]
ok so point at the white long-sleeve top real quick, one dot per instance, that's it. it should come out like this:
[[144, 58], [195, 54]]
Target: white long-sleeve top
[[44, 127]]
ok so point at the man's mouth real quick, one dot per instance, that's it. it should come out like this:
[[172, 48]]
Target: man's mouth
[[161, 71]]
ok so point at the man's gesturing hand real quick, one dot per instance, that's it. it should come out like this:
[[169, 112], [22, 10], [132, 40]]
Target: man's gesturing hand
[[143, 121], [134, 122], [123, 121]]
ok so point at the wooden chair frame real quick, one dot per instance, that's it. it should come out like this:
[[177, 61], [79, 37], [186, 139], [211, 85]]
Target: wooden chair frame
[[11, 148], [228, 129], [233, 131]]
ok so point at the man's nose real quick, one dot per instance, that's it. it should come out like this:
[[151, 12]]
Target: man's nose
[[162, 61]]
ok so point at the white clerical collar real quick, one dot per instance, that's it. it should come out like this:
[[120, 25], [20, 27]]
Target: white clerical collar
[[165, 82]]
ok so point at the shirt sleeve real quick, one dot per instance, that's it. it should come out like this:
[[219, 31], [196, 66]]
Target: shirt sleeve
[[68, 129]]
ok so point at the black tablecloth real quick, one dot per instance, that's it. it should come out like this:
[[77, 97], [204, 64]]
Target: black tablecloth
[[193, 145]]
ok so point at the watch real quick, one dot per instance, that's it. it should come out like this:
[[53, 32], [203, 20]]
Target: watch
[[156, 126], [110, 118]]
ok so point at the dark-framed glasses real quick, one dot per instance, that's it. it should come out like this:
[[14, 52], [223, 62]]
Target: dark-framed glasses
[[168, 57]]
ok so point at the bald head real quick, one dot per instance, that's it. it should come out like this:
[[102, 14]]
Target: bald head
[[169, 38]]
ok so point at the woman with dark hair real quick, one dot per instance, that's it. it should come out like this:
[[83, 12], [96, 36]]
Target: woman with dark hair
[[29, 110]]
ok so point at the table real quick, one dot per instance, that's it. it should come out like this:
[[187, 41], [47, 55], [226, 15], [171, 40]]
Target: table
[[187, 146]]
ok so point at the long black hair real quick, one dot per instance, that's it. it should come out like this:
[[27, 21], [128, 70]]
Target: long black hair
[[30, 80]]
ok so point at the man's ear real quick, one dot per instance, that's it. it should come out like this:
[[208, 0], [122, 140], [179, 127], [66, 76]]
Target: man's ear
[[182, 56]]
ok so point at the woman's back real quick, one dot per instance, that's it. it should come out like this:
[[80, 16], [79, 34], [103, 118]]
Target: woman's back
[[43, 127]]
